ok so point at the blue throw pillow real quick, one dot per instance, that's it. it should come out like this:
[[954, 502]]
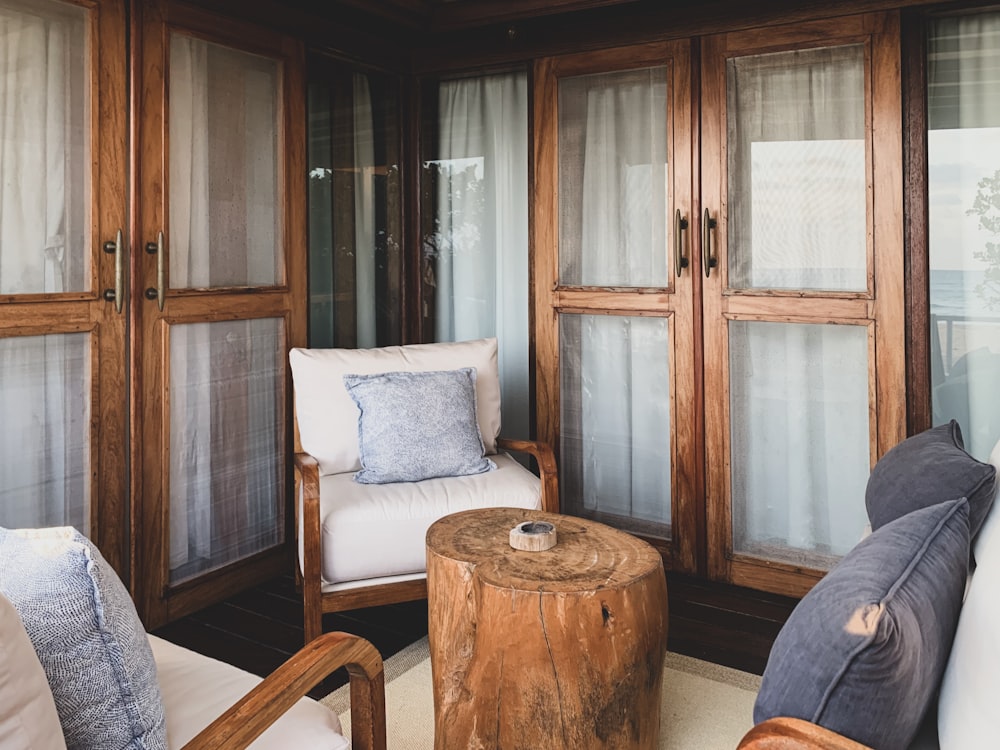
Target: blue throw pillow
[[863, 653], [88, 637], [924, 470], [417, 425]]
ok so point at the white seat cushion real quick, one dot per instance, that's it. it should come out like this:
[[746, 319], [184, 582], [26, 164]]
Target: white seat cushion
[[197, 690], [376, 530], [328, 417]]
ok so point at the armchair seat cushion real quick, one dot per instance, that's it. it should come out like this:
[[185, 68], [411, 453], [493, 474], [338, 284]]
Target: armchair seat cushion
[[370, 531], [197, 689]]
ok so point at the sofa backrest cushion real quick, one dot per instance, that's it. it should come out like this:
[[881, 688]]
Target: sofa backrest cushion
[[28, 718], [863, 652], [926, 469], [968, 711], [328, 418], [88, 637]]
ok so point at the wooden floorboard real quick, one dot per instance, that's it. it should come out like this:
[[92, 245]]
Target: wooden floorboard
[[258, 629]]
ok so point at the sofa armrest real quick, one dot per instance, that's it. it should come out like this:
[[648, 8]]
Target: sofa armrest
[[307, 533], [257, 710], [548, 473], [784, 733]]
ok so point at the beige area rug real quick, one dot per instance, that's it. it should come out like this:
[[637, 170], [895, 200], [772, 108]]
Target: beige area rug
[[704, 706]]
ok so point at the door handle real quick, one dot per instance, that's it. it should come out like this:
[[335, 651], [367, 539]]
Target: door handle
[[117, 294], [708, 260], [680, 225], [157, 292]]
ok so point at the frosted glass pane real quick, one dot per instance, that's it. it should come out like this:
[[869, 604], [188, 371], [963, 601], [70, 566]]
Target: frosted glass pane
[[963, 153], [227, 427], [225, 212], [797, 176], [44, 148], [800, 439], [45, 451], [613, 194], [615, 420]]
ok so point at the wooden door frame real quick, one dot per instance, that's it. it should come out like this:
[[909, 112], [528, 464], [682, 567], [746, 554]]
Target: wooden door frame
[[157, 601]]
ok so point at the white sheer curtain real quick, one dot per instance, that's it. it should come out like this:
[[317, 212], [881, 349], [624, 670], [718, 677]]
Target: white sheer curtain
[[481, 274], [613, 205], [797, 220], [964, 178], [225, 422], [44, 443]]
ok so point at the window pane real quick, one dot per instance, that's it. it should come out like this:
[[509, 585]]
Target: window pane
[[613, 179], [475, 228], [227, 399], [45, 459], [225, 216], [355, 220], [963, 151], [615, 423], [797, 176], [800, 439], [44, 148]]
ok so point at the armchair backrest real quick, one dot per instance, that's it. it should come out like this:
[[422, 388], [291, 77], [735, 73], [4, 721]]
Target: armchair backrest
[[327, 417]]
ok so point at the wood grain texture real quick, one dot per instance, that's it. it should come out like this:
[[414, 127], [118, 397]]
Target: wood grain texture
[[261, 707], [546, 461], [556, 649], [795, 734]]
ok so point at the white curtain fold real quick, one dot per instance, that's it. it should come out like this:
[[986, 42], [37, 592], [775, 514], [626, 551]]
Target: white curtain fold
[[481, 242]]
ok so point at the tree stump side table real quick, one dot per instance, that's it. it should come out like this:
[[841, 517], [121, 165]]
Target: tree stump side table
[[562, 648]]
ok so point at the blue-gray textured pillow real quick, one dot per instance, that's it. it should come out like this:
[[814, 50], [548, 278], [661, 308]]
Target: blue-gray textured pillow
[[926, 469], [417, 425], [88, 637], [863, 653]]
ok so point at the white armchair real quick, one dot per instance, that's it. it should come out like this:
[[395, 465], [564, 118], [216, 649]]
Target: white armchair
[[363, 544]]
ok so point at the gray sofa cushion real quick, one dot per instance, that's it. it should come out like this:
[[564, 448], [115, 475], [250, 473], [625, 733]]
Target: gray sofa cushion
[[926, 469], [862, 654]]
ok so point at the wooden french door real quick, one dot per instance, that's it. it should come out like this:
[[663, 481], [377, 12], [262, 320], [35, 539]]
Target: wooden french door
[[218, 264], [739, 398], [63, 245]]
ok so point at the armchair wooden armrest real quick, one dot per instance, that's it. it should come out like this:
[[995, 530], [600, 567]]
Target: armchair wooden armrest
[[548, 473], [784, 733], [257, 710]]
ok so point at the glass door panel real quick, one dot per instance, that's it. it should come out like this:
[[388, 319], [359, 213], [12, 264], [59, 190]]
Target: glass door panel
[[799, 423], [797, 174], [62, 336], [963, 153], [615, 439]]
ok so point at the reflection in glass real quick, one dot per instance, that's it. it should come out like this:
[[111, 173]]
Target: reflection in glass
[[797, 176], [45, 453], [355, 219], [800, 439], [227, 405], [225, 216], [615, 452], [613, 193], [44, 148], [963, 152], [474, 264]]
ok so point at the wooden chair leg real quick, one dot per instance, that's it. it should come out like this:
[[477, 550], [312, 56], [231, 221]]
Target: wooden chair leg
[[312, 613]]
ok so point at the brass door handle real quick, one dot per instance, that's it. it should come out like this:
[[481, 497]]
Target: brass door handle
[[680, 224], [708, 260], [116, 295], [157, 292]]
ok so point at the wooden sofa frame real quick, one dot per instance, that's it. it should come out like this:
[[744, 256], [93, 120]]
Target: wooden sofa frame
[[314, 601], [785, 733], [246, 720]]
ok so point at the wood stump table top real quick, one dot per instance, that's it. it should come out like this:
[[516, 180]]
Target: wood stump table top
[[587, 555]]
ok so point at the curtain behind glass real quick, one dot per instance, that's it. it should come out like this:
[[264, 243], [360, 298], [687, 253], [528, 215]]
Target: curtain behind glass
[[226, 378], [963, 149], [476, 254], [44, 248]]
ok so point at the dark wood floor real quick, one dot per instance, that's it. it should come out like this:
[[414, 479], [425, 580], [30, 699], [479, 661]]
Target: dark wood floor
[[259, 629]]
